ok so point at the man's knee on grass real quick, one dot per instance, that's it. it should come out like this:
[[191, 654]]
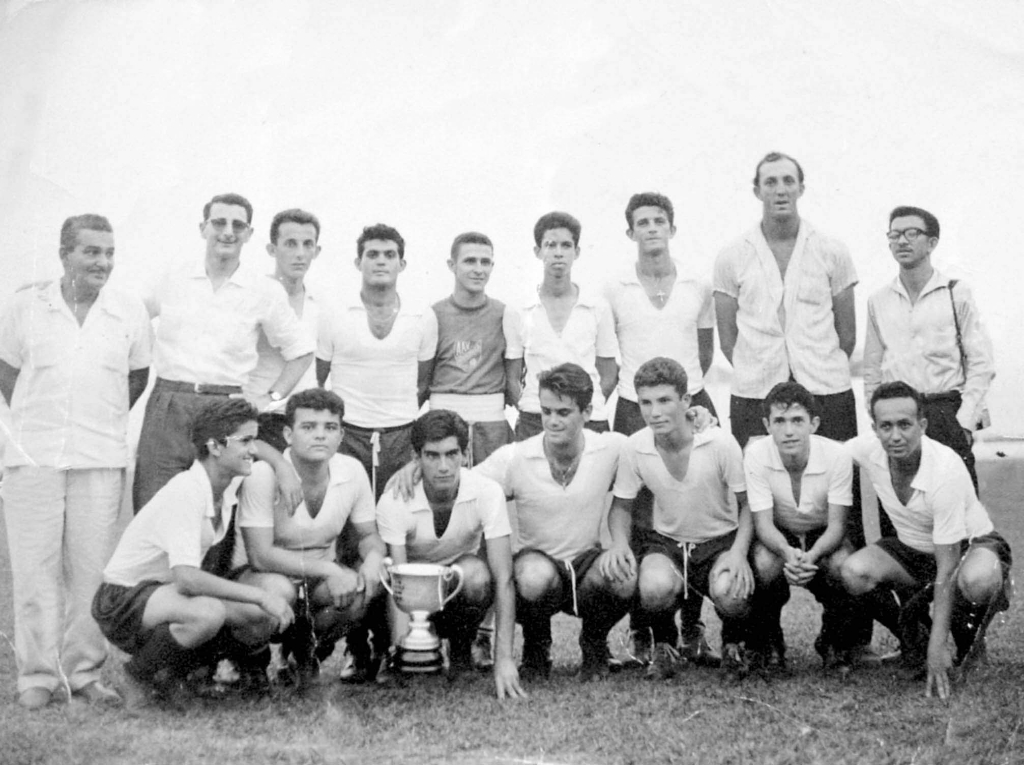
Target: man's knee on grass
[[981, 576], [660, 583], [720, 584], [477, 581], [858, 574], [595, 583], [536, 579], [200, 621]]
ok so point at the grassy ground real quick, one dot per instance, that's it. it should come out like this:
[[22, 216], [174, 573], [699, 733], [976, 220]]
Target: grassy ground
[[804, 718]]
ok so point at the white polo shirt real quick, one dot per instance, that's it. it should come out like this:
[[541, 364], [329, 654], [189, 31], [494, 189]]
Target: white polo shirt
[[175, 528], [784, 327], [207, 336], [827, 480], [376, 378], [645, 331], [271, 363], [698, 508], [588, 334], [943, 508], [348, 497], [70, 403], [562, 521], [478, 513], [916, 343]]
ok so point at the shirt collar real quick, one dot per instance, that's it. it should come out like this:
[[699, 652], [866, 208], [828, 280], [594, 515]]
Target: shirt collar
[[682, 275], [53, 297], [646, 443], [937, 281], [925, 476], [336, 473], [242, 276], [815, 460], [581, 300], [420, 504]]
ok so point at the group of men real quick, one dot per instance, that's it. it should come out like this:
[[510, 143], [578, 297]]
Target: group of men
[[259, 493]]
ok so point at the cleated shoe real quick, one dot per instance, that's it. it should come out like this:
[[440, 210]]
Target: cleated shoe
[[536, 661], [639, 651], [696, 650], [665, 662], [734, 662], [596, 658]]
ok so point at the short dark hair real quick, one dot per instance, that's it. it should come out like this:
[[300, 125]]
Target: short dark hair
[[787, 394], [74, 224], [555, 220], [775, 156], [661, 371], [469, 237], [229, 199], [649, 199], [570, 381], [931, 223], [897, 389], [294, 215], [218, 420], [437, 425], [317, 399], [384, 233]]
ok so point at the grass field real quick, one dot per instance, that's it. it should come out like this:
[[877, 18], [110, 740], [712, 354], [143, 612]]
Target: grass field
[[804, 718]]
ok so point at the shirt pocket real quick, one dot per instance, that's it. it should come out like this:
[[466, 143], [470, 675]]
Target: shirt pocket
[[45, 351]]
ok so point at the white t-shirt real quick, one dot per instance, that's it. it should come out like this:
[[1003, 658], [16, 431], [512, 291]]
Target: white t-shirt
[[377, 378], [478, 513], [175, 528], [348, 496], [943, 508], [827, 480], [698, 508]]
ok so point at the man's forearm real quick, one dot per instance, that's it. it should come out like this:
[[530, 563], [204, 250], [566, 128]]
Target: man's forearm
[[291, 374]]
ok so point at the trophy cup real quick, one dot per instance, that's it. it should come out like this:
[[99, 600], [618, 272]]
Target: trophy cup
[[419, 590]]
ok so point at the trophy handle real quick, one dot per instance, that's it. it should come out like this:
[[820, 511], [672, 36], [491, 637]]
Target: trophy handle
[[453, 570], [385, 575]]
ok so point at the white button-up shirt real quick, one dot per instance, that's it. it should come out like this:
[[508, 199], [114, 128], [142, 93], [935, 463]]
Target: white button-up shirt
[[209, 336], [376, 378], [70, 404], [827, 480], [916, 343], [271, 362], [943, 508], [645, 331], [786, 326], [588, 334]]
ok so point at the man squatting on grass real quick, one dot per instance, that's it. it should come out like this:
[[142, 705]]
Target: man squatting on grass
[[156, 603], [945, 550], [295, 554], [449, 514]]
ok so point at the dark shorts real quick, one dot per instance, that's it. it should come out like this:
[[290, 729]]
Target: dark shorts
[[393, 450], [570, 573], [271, 429], [118, 610], [487, 437], [803, 541], [921, 565], [694, 561]]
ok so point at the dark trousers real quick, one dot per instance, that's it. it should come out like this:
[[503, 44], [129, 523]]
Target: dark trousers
[[943, 426]]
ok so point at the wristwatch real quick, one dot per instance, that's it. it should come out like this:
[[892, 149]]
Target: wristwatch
[[274, 396]]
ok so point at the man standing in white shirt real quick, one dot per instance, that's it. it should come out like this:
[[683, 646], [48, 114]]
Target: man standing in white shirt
[[945, 548], [294, 245], [660, 309], [378, 350], [210, 317], [924, 329], [74, 358], [561, 326]]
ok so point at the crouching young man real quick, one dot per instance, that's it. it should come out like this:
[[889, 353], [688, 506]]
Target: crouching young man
[[799, 486], [699, 543], [450, 512], [294, 554], [156, 603], [945, 550]]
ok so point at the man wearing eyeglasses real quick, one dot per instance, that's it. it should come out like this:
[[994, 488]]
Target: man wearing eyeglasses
[[210, 318], [924, 329]]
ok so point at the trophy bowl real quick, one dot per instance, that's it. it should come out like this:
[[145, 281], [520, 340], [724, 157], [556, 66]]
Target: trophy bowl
[[421, 589]]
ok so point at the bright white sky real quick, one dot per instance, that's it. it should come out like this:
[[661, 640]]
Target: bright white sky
[[446, 116]]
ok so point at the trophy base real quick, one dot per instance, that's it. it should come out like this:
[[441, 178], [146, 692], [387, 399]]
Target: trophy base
[[420, 662]]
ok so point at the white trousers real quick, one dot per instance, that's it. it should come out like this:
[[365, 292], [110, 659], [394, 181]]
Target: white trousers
[[61, 530]]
